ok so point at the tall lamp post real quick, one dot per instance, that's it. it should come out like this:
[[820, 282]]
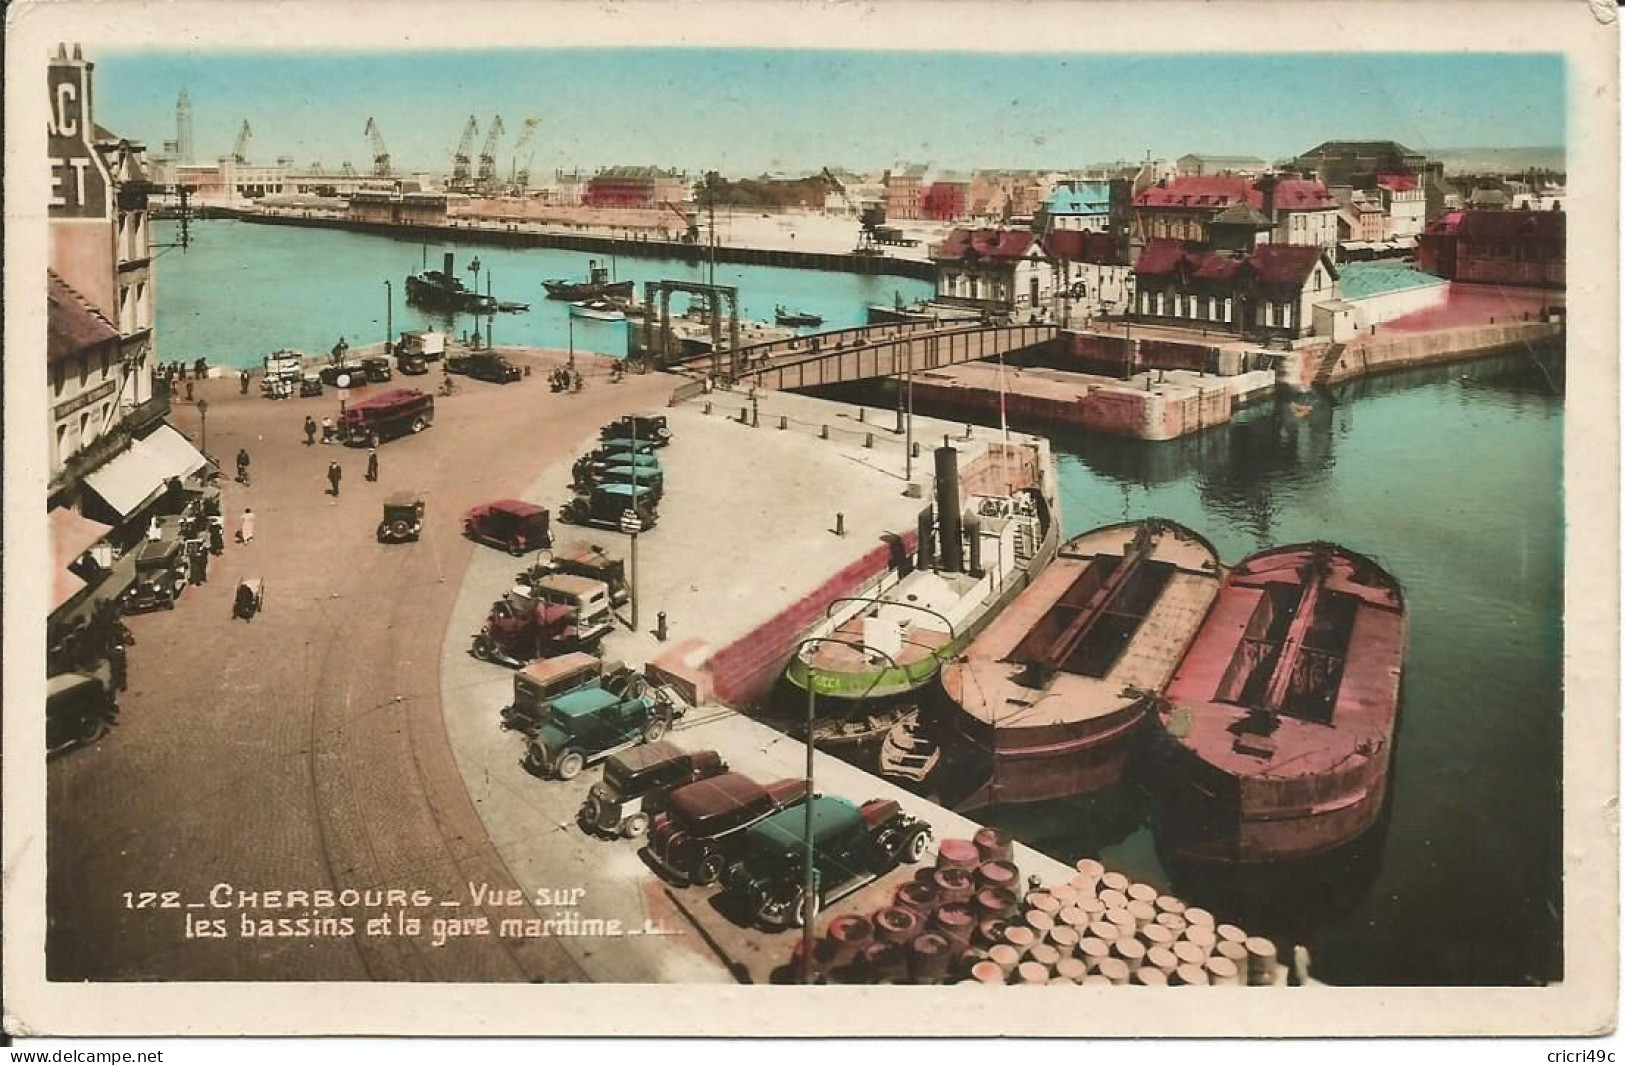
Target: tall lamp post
[[809, 885], [389, 315], [203, 414]]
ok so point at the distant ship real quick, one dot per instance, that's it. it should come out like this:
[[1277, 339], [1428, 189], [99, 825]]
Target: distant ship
[[441, 290], [596, 286], [603, 310]]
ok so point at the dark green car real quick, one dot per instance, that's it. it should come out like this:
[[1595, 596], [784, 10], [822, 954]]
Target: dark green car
[[852, 846], [590, 724]]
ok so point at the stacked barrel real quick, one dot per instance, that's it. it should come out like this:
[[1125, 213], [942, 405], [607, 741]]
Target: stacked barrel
[[973, 919]]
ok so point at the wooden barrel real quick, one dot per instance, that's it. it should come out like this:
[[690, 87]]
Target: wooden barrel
[[1144, 913], [922, 898], [1130, 951], [987, 972], [1115, 970], [1189, 953], [1230, 933], [990, 930], [1112, 899], [1092, 906], [1236, 952], [992, 845], [1042, 901], [1064, 938], [957, 854], [965, 960], [1072, 969], [1090, 868], [996, 902], [928, 958], [1039, 922], [1174, 922], [1154, 935], [955, 921], [1202, 936], [1190, 976], [1162, 958], [1104, 930], [1085, 886], [1004, 956], [1096, 978], [1123, 919], [1020, 937], [1262, 961], [894, 924], [1073, 917], [885, 961], [1065, 894], [848, 935], [1150, 976], [999, 874], [1093, 951], [1221, 970], [1045, 955], [1142, 893], [954, 884], [1170, 904], [1031, 974], [1197, 915], [1114, 881]]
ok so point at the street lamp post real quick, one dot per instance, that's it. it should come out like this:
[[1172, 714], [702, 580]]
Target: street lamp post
[[203, 414], [809, 885], [389, 315]]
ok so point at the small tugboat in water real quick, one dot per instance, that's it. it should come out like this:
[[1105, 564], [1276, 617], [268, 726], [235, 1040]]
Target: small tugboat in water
[[596, 286], [441, 290], [795, 319], [1276, 734], [601, 310], [1052, 699]]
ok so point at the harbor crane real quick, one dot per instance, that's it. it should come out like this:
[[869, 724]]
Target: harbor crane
[[239, 151], [691, 222], [380, 154], [460, 174], [521, 177], [488, 157]]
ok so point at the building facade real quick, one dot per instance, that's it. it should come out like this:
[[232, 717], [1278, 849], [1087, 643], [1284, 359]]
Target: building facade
[[640, 187], [1271, 291], [997, 270], [1497, 248], [1211, 165], [1404, 203], [905, 185], [1358, 163], [1082, 206], [1299, 211]]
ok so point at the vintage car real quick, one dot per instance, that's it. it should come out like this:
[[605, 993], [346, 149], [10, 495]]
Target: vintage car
[[517, 633], [538, 684], [511, 524], [577, 559], [589, 598], [703, 828], [385, 416], [403, 518], [411, 365], [161, 573], [852, 846], [613, 506], [484, 366], [610, 444], [654, 480], [637, 782], [598, 461], [592, 723], [310, 384], [651, 427], [79, 709]]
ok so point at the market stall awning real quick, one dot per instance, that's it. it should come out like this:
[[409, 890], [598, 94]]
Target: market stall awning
[[131, 479], [72, 534]]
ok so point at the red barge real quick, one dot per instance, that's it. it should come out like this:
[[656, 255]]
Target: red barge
[[1276, 733], [1053, 695]]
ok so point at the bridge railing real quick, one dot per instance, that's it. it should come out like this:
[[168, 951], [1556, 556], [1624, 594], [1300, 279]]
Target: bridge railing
[[945, 347]]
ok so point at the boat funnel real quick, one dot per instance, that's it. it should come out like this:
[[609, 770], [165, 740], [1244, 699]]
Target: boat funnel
[[925, 555], [953, 551], [973, 535], [446, 263]]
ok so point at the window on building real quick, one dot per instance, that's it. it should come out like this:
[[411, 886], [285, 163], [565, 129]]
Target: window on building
[[1269, 312], [84, 368], [61, 442], [1213, 308], [1227, 308], [105, 360], [57, 376], [84, 428], [1179, 305], [1159, 304]]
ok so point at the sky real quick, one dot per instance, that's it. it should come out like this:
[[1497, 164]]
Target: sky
[[749, 111]]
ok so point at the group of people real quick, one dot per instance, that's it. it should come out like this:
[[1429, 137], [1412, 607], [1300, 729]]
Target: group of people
[[565, 379]]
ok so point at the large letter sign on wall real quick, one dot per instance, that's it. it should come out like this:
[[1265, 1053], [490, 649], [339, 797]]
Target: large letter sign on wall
[[80, 184]]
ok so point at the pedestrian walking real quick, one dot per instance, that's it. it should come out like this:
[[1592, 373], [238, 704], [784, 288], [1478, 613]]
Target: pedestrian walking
[[242, 466], [334, 475], [372, 465], [200, 566], [245, 531], [217, 536], [200, 368], [310, 431], [188, 391], [181, 368], [119, 667], [242, 383]]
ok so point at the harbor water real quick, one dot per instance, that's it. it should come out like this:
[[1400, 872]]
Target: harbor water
[[1451, 477], [242, 290]]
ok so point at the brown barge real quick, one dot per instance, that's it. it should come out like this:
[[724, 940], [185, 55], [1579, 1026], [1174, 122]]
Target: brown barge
[[1051, 698], [1277, 731]]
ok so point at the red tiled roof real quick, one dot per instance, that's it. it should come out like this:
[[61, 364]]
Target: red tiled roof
[[986, 244], [1446, 225], [72, 324], [1274, 264], [1160, 256], [1284, 264], [1398, 182], [1217, 193], [1080, 246]]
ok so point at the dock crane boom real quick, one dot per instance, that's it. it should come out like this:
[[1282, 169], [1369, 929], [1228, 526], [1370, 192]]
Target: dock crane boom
[[488, 156], [460, 159], [691, 222], [239, 151], [522, 170], [380, 154]]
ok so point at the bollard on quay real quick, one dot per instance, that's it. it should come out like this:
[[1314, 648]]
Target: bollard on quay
[[840, 524], [744, 415], [784, 421], [863, 415], [660, 626], [823, 432], [707, 406], [868, 439]]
